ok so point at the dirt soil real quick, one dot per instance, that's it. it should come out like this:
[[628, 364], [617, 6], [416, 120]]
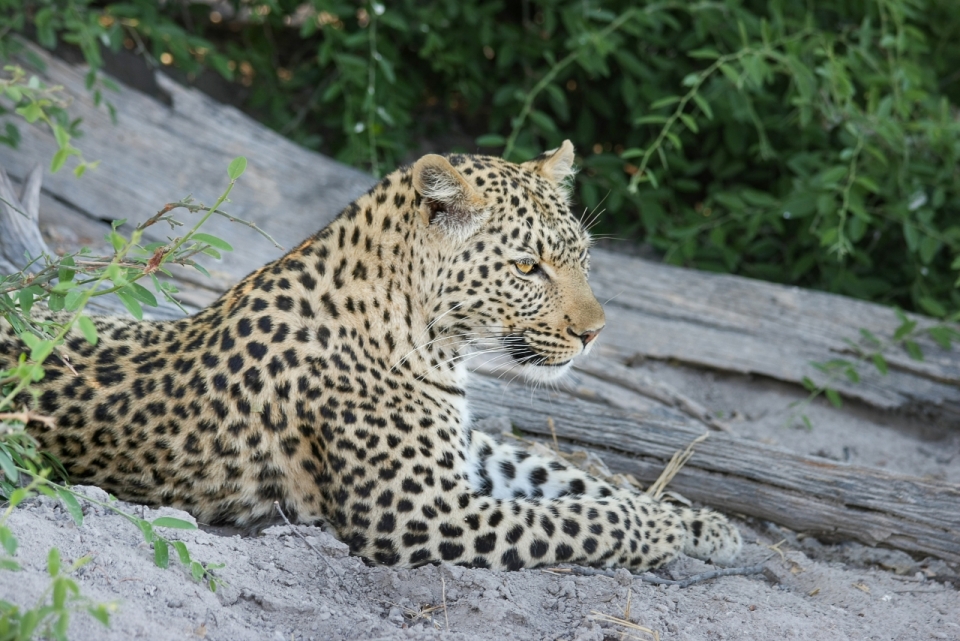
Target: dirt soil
[[299, 583]]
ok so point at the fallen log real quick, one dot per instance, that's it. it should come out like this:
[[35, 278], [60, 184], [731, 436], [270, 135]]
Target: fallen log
[[157, 154], [804, 493], [736, 324]]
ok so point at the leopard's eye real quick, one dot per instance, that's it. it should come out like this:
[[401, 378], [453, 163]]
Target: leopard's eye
[[525, 268]]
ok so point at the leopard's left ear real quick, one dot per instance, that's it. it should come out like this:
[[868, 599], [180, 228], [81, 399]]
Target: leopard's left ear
[[556, 165], [447, 201]]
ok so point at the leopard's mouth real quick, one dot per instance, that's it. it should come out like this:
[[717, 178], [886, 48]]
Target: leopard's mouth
[[522, 353]]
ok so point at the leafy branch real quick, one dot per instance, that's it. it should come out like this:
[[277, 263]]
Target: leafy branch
[[36, 102], [695, 81], [874, 350], [586, 42]]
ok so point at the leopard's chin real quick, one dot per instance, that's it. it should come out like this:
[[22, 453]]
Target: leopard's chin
[[533, 365], [545, 372]]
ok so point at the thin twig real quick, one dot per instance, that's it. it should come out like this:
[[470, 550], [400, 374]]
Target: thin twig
[[310, 545], [548, 77], [626, 623], [251, 225], [677, 461], [28, 416], [655, 580], [553, 432], [443, 584]]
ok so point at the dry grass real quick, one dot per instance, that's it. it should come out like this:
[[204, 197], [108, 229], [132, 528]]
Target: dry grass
[[629, 627], [592, 464], [677, 461]]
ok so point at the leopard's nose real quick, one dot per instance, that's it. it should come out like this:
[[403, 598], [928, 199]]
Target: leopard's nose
[[585, 337]]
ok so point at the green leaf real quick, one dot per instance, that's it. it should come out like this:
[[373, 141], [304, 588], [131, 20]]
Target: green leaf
[[237, 166], [73, 507], [66, 272], [219, 243], [169, 521], [868, 183], [56, 302], [8, 540], [31, 113], [543, 121], [131, 303], [73, 298], [650, 120], [25, 298], [833, 397], [869, 337], [942, 335], [664, 102], [690, 123], [59, 594], [28, 623], [142, 294], [881, 364], [905, 329], [41, 351], [852, 374], [704, 106], [161, 553], [932, 307], [60, 135], [147, 530], [182, 552], [808, 383], [59, 159], [17, 496], [704, 54], [914, 350], [929, 246], [53, 562], [61, 626], [100, 613], [196, 570], [88, 329], [8, 467], [47, 491], [491, 140]]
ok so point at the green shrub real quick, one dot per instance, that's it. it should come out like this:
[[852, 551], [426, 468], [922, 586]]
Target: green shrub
[[808, 143]]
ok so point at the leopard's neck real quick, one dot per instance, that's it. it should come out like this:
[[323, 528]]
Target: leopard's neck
[[360, 278]]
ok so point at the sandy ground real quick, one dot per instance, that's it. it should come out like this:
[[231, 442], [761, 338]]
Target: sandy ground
[[300, 583]]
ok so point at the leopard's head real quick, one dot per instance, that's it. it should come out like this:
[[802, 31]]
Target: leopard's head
[[513, 258]]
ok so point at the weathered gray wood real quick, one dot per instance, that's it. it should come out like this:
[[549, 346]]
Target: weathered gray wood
[[156, 154], [741, 325], [19, 213], [20, 233], [804, 493]]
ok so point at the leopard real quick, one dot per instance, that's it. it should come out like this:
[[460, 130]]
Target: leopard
[[330, 383]]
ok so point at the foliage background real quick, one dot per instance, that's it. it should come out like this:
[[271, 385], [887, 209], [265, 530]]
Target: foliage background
[[812, 143]]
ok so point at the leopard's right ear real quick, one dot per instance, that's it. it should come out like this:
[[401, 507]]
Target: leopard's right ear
[[447, 201]]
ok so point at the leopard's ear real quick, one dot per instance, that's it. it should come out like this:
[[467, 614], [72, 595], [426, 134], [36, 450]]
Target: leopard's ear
[[447, 201], [556, 165]]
